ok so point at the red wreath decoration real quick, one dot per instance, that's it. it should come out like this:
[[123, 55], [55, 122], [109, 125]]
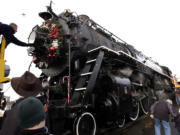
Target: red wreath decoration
[[54, 33]]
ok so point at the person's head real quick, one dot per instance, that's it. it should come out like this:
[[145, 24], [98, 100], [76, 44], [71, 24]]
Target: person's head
[[31, 114], [26, 85], [14, 26]]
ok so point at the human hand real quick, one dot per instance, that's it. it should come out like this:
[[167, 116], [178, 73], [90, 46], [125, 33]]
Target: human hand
[[45, 107], [152, 116], [169, 101]]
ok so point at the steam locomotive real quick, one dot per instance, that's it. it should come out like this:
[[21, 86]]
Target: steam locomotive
[[91, 78]]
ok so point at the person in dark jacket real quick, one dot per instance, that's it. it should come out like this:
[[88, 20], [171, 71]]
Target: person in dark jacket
[[160, 111], [31, 117], [8, 32]]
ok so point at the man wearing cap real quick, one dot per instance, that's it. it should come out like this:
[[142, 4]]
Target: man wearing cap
[[31, 117], [27, 85]]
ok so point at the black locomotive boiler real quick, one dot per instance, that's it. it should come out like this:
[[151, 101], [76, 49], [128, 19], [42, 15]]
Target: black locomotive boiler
[[91, 78]]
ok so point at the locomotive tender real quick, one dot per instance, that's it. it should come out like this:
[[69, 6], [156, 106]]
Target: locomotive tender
[[92, 78]]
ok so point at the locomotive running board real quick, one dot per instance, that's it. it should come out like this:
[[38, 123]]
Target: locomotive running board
[[105, 48], [118, 53]]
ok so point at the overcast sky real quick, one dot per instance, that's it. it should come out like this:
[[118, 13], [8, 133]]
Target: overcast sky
[[151, 26]]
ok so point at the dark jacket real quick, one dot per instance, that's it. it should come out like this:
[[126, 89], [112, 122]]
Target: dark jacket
[[162, 109], [8, 32], [41, 131], [177, 122], [10, 123]]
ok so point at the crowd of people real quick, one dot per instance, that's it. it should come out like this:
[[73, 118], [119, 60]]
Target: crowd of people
[[27, 115]]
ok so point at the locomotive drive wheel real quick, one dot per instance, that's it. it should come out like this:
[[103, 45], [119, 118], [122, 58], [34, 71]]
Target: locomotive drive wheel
[[145, 104], [121, 121], [85, 124], [134, 113]]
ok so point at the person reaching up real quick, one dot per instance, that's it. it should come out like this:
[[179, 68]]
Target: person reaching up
[[8, 32]]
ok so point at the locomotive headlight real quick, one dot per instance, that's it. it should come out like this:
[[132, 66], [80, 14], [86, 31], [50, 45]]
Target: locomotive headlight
[[32, 35]]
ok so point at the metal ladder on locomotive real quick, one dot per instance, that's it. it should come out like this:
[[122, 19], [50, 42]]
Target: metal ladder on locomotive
[[88, 75]]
